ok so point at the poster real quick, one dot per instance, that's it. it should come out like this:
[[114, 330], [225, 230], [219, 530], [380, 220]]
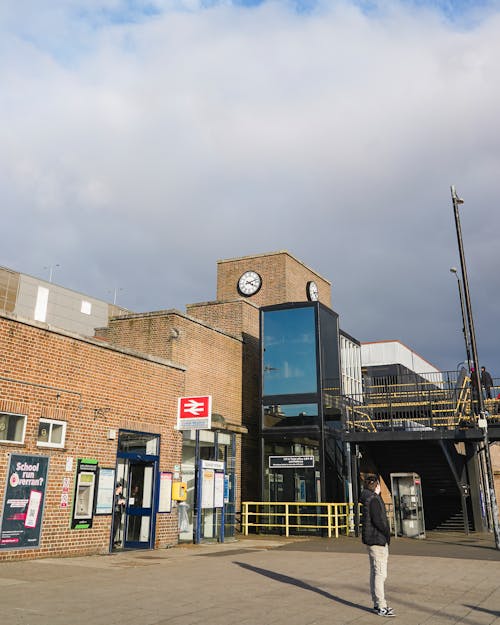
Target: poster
[[165, 499], [23, 502], [207, 488], [219, 490], [105, 491]]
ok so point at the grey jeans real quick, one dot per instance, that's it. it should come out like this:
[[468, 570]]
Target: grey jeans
[[378, 572]]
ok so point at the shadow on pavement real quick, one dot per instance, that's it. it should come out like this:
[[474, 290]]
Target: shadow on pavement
[[478, 609], [285, 579], [479, 547]]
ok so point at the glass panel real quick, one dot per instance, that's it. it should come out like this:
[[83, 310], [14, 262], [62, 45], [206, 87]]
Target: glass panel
[[138, 528], [289, 341], [299, 484], [12, 427], [135, 494], [148, 487], [279, 415], [43, 432], [329, 346], [224, 439], [188, 476], [57, 433], [137, 442]]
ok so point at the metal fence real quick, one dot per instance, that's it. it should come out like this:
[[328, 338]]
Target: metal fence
[[298, 518], [414, 403]]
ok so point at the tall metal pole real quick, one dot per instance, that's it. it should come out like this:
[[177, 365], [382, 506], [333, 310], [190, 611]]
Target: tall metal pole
[[480, 401], [464, 323]]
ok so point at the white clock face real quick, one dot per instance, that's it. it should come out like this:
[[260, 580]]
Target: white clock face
[[312, 291], [249, 283]]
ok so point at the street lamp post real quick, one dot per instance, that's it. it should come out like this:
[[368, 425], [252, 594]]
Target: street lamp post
[[464, 325], [51, 270], [479, 406]]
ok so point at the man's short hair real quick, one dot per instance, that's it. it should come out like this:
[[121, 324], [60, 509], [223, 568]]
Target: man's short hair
[[371, 482]]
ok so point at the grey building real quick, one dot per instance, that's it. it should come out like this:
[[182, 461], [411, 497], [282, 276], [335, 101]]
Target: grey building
[[38, 300]]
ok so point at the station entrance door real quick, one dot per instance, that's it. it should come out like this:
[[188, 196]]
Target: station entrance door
[[137, 470]]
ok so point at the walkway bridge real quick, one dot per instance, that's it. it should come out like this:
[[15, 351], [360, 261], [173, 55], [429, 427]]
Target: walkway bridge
[[425, 424], [437, 406]]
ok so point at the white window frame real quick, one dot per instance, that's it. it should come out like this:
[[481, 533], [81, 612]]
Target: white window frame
[[10, 441], [51, 423]]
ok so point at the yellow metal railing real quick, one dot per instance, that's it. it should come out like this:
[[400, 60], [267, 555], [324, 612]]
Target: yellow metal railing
[[411, 406], [335, 518]]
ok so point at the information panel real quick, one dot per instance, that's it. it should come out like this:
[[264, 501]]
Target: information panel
[[105, 491], [212, 484], [23, 501], [291, 462]]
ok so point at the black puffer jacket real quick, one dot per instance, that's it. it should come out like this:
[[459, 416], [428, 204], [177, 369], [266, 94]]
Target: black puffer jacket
[[375, 528]]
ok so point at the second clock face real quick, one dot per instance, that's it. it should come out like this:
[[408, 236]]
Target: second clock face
[[249, 283], [312, 291]]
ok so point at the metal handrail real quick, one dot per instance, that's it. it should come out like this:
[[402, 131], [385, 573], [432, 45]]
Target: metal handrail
[[422, 405], [334, 517]]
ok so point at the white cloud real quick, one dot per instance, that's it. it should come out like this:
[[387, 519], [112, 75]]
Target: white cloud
[[141, 152]]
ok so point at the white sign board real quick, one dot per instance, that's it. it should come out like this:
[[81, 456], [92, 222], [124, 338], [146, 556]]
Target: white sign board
[[194, 413]]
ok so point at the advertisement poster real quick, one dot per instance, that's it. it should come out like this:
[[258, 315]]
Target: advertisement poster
[[23, 502]]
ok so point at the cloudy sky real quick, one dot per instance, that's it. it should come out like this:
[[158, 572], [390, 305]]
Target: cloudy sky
[[141, 141]]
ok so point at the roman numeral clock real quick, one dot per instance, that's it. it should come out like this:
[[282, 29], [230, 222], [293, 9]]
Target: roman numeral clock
[[249, 283]]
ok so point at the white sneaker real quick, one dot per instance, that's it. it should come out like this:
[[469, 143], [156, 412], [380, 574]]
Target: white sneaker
[[386, 611]]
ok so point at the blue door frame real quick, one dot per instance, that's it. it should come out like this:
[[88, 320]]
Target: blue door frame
[[133, 512]]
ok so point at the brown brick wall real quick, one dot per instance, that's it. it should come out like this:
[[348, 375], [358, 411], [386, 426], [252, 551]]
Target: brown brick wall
[[97, 389], [213, 358], [241, 317]]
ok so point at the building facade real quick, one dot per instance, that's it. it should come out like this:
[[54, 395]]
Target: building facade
[[76, 415], [85, 405]]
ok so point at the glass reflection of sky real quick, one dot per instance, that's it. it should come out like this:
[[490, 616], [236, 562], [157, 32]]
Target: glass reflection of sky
[[290, 351], [293, 410]]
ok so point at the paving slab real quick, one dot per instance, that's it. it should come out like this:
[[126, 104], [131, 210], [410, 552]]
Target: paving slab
[[442, 580]]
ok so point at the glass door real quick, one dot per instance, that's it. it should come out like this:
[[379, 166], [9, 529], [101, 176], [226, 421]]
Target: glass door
[[139, 506]]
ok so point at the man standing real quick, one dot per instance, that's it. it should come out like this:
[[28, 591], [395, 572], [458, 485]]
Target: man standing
[[376, 535], [119, 506], [486, 382]]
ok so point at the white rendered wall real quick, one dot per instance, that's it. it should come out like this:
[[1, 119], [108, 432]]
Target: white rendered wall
[[394, 352]]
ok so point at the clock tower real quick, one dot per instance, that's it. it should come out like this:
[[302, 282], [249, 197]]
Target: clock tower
[[267, 279]]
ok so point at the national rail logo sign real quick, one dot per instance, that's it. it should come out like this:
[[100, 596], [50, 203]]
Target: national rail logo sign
[[194, 413]]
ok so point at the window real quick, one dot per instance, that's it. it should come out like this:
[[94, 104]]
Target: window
[[289, 341], [86, 307], [290, 415], [12, 427], [51, 433], [42, 299]]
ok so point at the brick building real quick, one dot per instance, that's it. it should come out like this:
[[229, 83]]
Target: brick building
[[71, 403], [65, 398]]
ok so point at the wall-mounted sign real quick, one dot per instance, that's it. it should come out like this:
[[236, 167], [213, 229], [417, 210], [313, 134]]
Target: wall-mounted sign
[[85, 486], [23, 501], [194, 413], [291, 462], [66, 482]]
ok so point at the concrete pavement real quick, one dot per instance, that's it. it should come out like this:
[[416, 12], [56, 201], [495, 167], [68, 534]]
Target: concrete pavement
[[444, 579]]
